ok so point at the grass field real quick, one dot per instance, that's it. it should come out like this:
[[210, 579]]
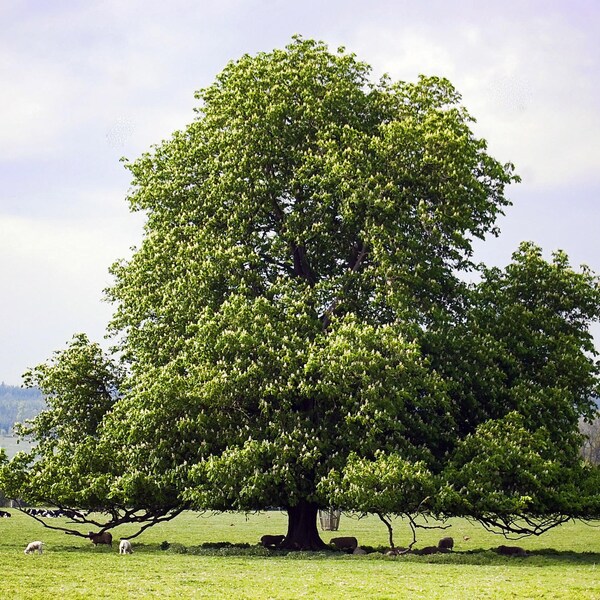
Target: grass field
[[564, 563]]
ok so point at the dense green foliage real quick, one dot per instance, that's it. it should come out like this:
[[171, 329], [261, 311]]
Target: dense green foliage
[[295, 329], [73, 463]]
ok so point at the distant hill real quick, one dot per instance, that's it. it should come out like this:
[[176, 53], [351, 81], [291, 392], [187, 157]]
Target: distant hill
[[18, 404]]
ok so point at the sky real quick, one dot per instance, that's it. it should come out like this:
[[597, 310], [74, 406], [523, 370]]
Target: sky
[[84, 83]]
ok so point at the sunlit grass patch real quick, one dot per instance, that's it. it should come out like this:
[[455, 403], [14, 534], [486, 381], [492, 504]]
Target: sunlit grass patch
[[219, 557]]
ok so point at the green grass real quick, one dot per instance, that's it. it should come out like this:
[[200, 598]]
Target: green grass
[[564, 563]]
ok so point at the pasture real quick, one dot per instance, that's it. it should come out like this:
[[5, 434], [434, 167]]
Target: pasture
[[564, 563]]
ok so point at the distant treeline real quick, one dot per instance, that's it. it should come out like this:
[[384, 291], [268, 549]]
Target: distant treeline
[[18, 404]]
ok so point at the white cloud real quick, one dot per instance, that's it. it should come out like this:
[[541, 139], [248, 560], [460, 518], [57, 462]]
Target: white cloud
[[31, 107], [53, 275], [76, 250], [88, 69], [84, 83], [531, 84]]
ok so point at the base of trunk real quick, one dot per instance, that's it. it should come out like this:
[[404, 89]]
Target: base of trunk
[[302, 533]]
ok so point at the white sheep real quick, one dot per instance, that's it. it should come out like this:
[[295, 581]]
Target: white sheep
[[33, 546], [125, 547]]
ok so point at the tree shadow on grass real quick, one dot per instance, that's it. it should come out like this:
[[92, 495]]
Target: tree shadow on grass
[[481, 556], [541, 557]]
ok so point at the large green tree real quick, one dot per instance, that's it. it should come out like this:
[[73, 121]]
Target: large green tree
[[296, 329]]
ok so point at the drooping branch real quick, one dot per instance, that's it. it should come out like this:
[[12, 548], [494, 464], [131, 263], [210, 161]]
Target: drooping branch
[[68, 531], [158, 519], [414, 526], [521, 526], [118, 516]]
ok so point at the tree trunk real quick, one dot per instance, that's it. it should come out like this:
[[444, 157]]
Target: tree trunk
[[302, 533]]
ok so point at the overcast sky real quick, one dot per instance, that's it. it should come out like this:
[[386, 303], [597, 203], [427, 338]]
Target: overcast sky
[[83, 83]]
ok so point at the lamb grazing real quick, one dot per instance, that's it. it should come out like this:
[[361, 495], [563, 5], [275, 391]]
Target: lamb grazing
[[347, 544], [100, 538], [272, 542], [511, 551], [33, 546], [125, 547], [446, 544]]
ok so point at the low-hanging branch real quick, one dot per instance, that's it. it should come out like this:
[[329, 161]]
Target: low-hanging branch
[[118, 516], [521, 525], [385, 519]]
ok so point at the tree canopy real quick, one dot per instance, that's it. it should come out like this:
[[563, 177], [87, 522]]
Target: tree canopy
[[296, 329]]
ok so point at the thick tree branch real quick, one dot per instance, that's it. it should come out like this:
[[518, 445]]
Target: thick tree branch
[[413, 528], [68, 531], [301, 265], [154, 521], [388, 524], [521, 526], [354, 264], [118, 517]]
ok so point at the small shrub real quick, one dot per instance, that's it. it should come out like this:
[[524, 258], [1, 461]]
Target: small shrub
[[227, 549], [219, 545], [177, 549]]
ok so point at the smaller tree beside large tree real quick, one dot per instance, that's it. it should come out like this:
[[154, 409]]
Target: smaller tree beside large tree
[[73, 465]]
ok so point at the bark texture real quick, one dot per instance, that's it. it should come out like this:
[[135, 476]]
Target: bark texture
[[302, 533]]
